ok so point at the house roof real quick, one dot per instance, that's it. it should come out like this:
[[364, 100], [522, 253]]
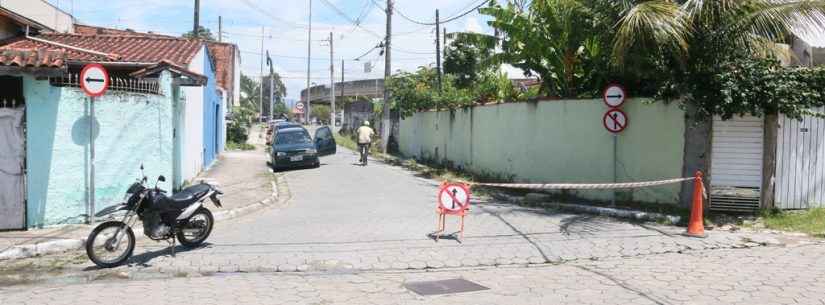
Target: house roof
[[32, 58], [83, 29], [103, 48], [223, 55]]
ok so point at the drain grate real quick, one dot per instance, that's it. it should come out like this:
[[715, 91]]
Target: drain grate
[[444, 287]]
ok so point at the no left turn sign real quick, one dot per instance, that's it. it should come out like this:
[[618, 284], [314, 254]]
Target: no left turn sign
[[94, 80], [614, 95], [615, 120], [454, 198]]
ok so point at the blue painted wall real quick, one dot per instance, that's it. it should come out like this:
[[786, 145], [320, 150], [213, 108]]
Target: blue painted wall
[[211, 113], [130, 129]]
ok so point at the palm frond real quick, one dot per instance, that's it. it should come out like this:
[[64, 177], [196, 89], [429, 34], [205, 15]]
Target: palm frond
[[774, 19], [657, 22]]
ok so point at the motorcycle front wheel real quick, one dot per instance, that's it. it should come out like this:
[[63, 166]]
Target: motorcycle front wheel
[[110, 244], [197, 228]]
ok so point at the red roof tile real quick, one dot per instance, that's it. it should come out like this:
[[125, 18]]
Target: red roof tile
[[32, 58], [137, 49], [96, 30], [224, 57]]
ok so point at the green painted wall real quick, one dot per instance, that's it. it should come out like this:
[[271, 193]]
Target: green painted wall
[[132, 129], [556, 142]]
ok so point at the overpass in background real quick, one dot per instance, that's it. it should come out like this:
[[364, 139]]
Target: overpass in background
[[366, 88]]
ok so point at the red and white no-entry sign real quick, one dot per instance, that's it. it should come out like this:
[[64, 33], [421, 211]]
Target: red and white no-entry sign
[[454, 198], [94, 80], [615, 120]]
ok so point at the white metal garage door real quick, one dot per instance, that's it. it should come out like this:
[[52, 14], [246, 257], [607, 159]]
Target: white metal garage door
[[736, 159]]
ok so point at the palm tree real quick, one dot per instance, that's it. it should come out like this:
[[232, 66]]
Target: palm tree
[[697, 30], [697, 39]]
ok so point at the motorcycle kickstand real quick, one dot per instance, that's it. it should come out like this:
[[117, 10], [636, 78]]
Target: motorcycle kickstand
[[174, 240]]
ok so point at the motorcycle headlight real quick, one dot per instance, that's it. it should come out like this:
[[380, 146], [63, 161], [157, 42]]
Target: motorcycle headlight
[[280, 154]]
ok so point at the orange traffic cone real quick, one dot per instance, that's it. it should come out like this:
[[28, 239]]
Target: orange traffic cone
[[696, 226]]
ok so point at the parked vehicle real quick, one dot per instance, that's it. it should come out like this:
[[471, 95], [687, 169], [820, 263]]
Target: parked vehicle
[[180, 217], [270, 133], [293, 147]]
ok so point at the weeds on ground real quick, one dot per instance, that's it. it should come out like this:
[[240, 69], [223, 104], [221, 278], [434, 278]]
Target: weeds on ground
[[239, 146], [811, 222]]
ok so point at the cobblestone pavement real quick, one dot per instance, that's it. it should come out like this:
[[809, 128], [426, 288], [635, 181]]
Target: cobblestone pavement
[[765, 275], [344, 217]]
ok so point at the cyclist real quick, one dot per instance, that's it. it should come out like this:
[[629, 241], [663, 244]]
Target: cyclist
[[365, 134]]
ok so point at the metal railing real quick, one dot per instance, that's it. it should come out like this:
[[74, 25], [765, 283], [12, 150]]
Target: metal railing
[[123, 84], [12, 103]]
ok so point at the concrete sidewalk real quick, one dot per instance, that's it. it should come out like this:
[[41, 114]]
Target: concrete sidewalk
[[243, 176]]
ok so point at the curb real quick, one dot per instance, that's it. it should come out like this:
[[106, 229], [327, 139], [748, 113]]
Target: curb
[[601, 211], [64, 245]]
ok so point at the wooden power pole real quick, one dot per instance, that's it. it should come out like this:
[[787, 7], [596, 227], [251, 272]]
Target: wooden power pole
[[385, 122]]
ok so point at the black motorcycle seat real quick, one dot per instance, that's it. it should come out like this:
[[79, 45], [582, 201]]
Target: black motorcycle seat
[[189, 195]]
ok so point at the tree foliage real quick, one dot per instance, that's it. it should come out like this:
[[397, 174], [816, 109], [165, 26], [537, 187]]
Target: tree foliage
[[321, 112], [764, 86], [564, 42], [413, 92], [698, 39], [469, 56], [203, 33]]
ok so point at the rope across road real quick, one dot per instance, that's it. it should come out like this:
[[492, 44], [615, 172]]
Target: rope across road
[[583, 186]]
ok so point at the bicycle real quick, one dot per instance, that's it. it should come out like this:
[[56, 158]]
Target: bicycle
[[364, 150]]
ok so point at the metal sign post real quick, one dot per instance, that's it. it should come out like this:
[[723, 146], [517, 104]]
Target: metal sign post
[[615, 121], [91, 160], [94, 81]]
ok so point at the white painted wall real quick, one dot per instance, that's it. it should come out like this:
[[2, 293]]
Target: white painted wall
[[42, 12], [192, 163]]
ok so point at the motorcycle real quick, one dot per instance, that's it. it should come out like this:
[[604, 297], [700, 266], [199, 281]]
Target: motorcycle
[[181, 217]]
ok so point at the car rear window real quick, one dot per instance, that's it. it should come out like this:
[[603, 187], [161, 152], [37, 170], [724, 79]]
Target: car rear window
[[293, 137]]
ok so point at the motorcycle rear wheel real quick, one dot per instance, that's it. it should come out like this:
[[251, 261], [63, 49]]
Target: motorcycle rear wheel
[[202, 217], [104, 241]]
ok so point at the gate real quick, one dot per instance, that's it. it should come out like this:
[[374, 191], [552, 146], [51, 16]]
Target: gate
[[12, 166], [800, 163]]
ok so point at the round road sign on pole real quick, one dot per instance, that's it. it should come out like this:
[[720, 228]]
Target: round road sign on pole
[[615, 120], [94, 80], [453, 198], [299, 106], [614, 95]]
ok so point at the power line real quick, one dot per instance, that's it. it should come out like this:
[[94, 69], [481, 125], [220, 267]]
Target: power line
[[355, 22], [263, 11], [432, 23]]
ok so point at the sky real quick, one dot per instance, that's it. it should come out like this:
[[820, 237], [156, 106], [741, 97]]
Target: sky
[[285, 31]]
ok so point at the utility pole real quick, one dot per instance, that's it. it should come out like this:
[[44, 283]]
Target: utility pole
[[309, 62], [438, 49], [343, 103], [196, 28], [332, 81], [385, 122], [220, 29], [271, 86], [261, 89]]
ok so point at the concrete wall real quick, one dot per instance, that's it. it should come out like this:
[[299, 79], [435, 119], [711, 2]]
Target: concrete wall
[[131, 129], [555, 142], [211, 111], [193, 97]]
